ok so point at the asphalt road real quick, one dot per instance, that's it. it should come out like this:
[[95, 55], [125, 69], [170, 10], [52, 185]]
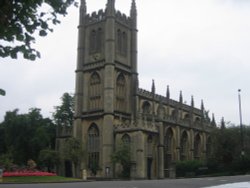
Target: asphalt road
[[166, 183]]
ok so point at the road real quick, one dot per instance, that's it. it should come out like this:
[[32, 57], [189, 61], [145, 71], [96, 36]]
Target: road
[[166, 183]]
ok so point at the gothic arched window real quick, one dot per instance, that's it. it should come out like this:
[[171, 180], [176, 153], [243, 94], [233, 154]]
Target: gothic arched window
[[95, 43], [119, 40], [95, 91], [126, 139], [93, 38], [122, 42], [121, 93], [197, 146], [99, 40], [209, 147], [168, 147], [93, 146], [146, 107], [184, 146]]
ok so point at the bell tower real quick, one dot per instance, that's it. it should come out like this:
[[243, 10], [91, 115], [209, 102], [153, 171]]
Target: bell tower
[[106, 81]]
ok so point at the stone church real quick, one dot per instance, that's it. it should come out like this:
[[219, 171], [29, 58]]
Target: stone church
[[110, 108]]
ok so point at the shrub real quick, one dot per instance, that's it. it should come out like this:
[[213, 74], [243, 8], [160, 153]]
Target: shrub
[[188, 168], [6, 162]]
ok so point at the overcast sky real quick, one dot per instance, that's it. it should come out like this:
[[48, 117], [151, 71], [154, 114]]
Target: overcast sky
[[199, 47]]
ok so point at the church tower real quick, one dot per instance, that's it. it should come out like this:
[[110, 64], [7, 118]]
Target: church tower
[[106, 81]]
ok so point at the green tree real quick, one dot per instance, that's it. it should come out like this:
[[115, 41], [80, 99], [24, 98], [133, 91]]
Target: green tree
[[122, 156], [226, 156], [26, 134], [6, 161], [64, 114], [21, 20], [49, 158], [74, 151]]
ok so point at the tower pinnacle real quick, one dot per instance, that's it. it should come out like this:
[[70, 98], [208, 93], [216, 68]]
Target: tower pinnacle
[[110, 7], [180, 97], [133, 11], [83, 6], [153, 87], [83, 10], [133, 14]]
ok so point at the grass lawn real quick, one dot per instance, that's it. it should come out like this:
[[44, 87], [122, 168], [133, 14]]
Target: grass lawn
[[35, 179]]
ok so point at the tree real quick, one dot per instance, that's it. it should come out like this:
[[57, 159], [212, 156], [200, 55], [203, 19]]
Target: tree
[[64, 114], [122, 156], [21, 20], [73, 151], [49, 158], [26, 134], [226, 156]]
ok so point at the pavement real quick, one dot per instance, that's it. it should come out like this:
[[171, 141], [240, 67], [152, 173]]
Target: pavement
[[226, 181]]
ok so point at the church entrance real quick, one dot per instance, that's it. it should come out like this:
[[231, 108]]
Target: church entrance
[[68, 169], [149, 167]]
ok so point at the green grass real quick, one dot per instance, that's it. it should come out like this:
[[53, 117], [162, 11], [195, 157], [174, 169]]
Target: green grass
[[36, 179]]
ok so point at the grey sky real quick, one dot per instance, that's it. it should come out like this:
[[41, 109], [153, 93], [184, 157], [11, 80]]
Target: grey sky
[[199, 47]]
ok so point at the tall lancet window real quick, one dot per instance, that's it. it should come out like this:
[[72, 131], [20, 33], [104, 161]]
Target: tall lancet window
[[92, 42], [184, 146], [122, 42], [168, 148], [95, 91], [197, 147], [99, 40], [209, 147], [120, 93], [95, 43], [93, 147], [119, 40], [126, 140]]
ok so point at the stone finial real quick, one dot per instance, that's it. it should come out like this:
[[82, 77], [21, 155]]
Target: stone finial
[[192, 101], [133, 10], [153, 87], [110, 7], [83, 5], [168, 92], [202, 106], [83, 10], [180, 97]]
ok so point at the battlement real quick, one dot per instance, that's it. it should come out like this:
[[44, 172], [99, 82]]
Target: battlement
[[123, 18], [161, 99], [98, 16]]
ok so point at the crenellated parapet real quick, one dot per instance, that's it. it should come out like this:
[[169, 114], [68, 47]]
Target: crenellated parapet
[[171, 111], [95, 17], [122, 18], [99, 16]]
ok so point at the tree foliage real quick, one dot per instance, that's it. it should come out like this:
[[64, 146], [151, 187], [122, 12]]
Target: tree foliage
[[64, 114], [21, 20], [49, 158], [122, 156], [24, 135], [74, 152], [227, 149]]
